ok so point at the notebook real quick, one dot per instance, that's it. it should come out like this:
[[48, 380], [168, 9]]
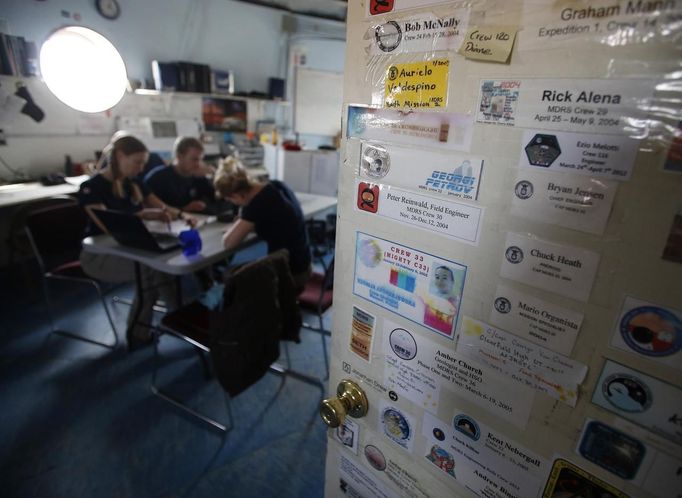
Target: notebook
[[129, 230]]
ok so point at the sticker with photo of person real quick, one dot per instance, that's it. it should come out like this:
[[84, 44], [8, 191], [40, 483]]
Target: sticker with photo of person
[[649, 330], [416, 285]]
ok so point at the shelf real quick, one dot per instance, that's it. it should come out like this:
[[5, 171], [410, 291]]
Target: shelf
[[147, 92]]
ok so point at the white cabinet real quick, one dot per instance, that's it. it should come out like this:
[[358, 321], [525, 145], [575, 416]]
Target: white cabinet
[[313, 171]]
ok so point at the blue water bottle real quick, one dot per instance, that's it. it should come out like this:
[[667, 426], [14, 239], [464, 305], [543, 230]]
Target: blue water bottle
[[190, 240]]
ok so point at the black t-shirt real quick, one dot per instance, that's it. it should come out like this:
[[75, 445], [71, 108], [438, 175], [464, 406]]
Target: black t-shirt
[[99, 190], [177, 190], [278, 220]]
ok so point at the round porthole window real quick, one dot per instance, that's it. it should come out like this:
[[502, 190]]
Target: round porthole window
[[83, 69]]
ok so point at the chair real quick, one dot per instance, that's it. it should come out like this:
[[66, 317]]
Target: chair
[[55, 234], [318, 296], [318, 237], [242, 339]]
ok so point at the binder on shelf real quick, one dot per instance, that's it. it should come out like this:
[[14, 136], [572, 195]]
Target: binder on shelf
[[166, 76], [222, 82]]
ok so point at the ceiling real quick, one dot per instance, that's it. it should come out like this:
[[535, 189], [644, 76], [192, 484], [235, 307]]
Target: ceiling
[[325, 9]]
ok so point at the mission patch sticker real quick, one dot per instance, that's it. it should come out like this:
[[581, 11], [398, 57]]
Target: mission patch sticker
[[567, 479]]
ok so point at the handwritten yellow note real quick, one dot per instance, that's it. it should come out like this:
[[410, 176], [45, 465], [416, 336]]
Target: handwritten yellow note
[[417, 84], [491, 43]]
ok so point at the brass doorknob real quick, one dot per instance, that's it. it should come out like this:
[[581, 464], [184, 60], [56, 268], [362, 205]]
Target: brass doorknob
[[350, 400]]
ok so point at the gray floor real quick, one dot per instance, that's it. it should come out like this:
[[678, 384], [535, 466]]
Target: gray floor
[[78, 420]]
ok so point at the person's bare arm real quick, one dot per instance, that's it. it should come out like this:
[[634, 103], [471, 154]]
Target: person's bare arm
[[93, 216], [239, 230]]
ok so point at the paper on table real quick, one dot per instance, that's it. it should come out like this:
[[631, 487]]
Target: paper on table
[[177, 226]]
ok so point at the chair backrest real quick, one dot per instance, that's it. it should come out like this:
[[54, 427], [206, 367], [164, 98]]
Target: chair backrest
[[55, 233]]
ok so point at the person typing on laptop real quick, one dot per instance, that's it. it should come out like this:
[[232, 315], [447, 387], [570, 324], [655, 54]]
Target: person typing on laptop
[[115, 188]]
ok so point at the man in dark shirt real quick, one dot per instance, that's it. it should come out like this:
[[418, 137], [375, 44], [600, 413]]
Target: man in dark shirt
[[183, 184]]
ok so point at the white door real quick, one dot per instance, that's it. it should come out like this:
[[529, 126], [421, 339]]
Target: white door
[[508, 286]]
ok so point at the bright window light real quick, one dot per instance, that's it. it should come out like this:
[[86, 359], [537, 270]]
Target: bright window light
[[83, 69]]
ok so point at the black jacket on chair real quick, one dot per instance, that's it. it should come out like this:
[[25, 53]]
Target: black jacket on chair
[[259, 310]]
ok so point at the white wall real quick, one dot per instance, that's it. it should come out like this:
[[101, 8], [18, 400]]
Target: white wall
[[221, 33], [224, 34]]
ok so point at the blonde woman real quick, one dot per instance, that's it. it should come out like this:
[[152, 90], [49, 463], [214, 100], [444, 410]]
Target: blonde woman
[[269, 209], [116, 187]]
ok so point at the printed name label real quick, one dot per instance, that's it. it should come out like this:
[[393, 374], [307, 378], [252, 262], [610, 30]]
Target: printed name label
[[484, 460], [565, 270], [455, 220], [443, 130], [581, 105], [449, 175], [569, 201], [535, 319], [601, 156], [601, 21], [423, 33], [418, 368], [526, 363]]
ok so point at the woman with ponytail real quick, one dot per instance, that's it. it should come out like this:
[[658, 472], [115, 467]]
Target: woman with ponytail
[[116, 187]]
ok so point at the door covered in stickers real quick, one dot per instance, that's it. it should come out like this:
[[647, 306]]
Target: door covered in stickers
[[508, 286]]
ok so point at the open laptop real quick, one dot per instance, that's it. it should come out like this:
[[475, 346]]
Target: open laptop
[[129, 230]]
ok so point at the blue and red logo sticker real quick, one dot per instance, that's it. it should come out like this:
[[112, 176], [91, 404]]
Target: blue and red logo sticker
[[651, 331]]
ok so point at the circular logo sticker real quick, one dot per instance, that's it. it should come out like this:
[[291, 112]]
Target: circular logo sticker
[[467, 426], [375, 457], [396, 426], [392, 73], [652, 331], [375, 161], [403, 344], [388, 36], [438, 434], [627, 393], [524, 190], [514, 254], [502, 305]]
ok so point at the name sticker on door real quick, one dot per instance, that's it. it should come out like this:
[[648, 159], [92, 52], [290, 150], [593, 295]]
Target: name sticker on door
[[417, 84], [539, 321], [565, 270], [600, 156], [455, 220], [419, 369], [580, 105], [576, 202], [422, 33], [449, 175]]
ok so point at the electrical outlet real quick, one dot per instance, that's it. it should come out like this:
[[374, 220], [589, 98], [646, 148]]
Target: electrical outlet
[[3, 140]]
